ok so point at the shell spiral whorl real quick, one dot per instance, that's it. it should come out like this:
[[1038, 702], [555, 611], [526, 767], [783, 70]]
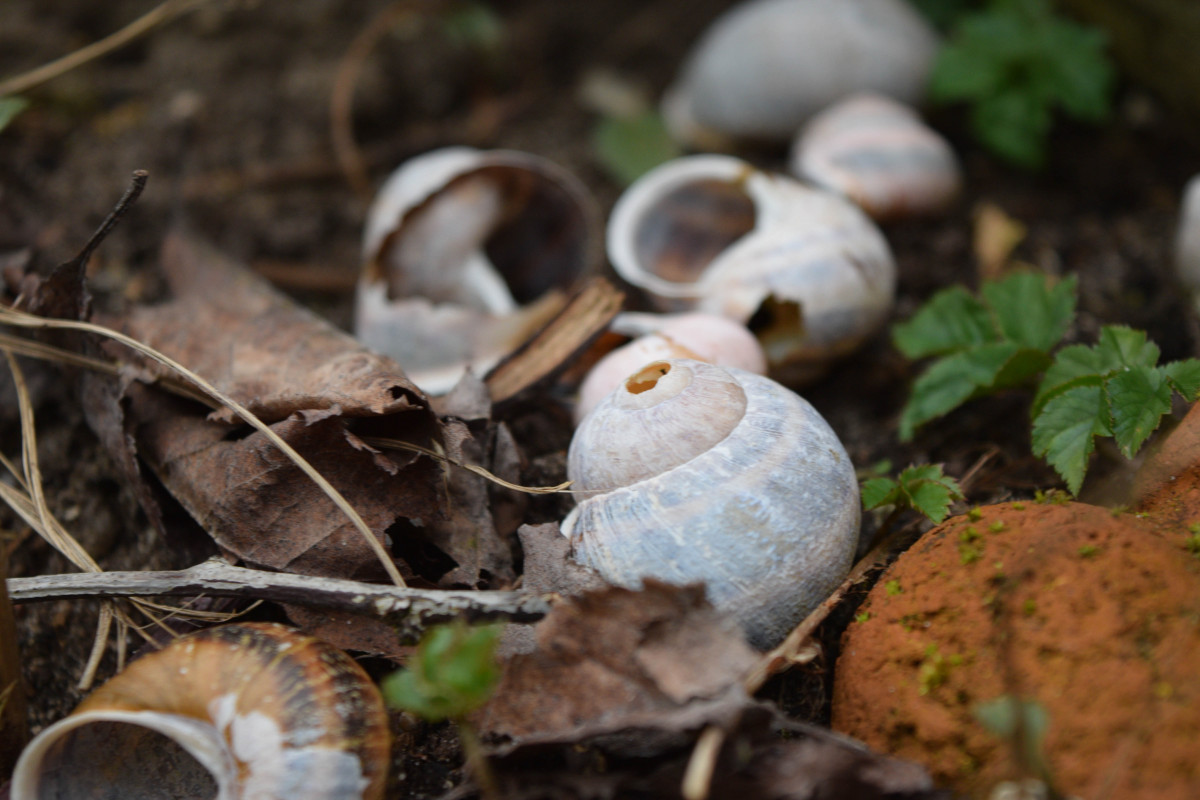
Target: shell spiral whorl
[[690, 472]]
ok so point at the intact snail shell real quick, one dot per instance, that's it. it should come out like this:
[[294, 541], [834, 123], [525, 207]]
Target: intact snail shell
[[881, 155], [763, 67], [806, 270], [464, 250], [691, 472], [250, 710], [704, 337]]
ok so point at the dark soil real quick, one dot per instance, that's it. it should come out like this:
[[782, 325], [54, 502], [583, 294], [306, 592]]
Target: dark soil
[[228, 109]]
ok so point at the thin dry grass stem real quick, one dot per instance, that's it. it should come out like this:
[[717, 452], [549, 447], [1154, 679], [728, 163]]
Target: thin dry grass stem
[[103, 628], [341, 101], [9, 316], [163, 13], [697, 778], [397, 444]]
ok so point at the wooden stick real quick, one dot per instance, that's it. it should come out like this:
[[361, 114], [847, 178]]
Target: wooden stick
[[410, 610]]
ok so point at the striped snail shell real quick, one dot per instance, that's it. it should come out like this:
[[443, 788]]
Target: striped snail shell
[[880, 154], [806, 270], [765, 66], [691, 472], [462, 248], [253, 710]]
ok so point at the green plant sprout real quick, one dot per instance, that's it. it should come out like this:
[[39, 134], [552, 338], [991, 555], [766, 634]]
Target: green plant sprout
[[1025, 724], [452, 673], [1017, 63], [10, 107], [924, 489], [1004, 338]]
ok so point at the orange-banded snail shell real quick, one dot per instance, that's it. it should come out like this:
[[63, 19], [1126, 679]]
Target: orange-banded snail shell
[[805, 269], [249, 711], [691, 472], [880, 154]]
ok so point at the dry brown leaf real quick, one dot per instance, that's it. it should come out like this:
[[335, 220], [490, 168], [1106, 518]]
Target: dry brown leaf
[[996, 235], [317, 388]]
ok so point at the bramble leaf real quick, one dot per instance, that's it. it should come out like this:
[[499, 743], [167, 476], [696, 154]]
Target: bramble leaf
[[1065, 430], [924, 489], [1137, 398], [950, 320], [951, 381], [1184, 377], [629, 147], [1029, 310], [1071, 364], [1128, 347]]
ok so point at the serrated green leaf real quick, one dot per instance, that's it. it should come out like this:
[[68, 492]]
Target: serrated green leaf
[[952, 380], [1030, 310], [931, 499], [950, 320], [1138, 397], [629, 147], [1081, 73], [1071, 366], [1184, 377], [960, 73], [1128, 347], [1065, 430], [879, 492]]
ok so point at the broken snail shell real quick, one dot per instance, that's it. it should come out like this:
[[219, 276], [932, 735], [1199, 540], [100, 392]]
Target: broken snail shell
[[880, 154], [692, 472], [804, 269], [763, 67], [704, 337], [251, 710], [466, 253], [1187, 239]]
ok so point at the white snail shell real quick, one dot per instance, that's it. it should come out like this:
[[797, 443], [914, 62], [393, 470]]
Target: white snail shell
[[806, 270], [880, 154], [461, 249], [691, 472], [765, 66], [1187, 239], [255, 711], [704, 337]]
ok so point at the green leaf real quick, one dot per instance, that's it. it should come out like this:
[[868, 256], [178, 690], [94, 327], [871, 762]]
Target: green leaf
[[452, 673], [10, 107], [1127, 347], [1184, 377], [1080, 71], [629, 147], [1014, 124], [959, 73], [1138, 398], [1070, 365], [879, 492], [1065, 430], [950, 320], [930, 491], [951, 381], [1030, 310]]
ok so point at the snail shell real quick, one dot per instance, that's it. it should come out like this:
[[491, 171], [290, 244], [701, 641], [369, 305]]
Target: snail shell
[[238, 711], [1187, 239], [763, 67], [881, 155], [691, 472], [462, 248], [806, 270], [704, 337]]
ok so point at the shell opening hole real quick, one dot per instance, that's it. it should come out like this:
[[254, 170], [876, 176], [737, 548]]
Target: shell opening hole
[[647, 377], [131, 761], [692, 225]]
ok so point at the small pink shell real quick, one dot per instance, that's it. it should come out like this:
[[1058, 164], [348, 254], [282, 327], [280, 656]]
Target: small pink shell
[[704, 337], [881, 155]]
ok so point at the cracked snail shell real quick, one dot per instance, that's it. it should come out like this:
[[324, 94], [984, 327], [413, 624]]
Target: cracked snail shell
[[467, 253], [805, 269], [255, 711], [691, 472]]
